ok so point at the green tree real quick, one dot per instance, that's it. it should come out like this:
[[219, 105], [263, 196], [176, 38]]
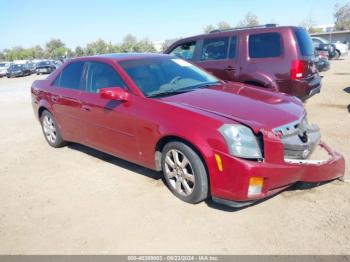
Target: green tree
[[129, 44], [79, 51], [97, 47], [144, 46], [2, 56], [55, 48], [250, 19], [209, 28], [223, 25], [38, 51], [342, 17], [309, 24]]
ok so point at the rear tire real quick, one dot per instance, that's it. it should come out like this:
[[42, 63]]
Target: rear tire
[[184, 172], [51, 130]]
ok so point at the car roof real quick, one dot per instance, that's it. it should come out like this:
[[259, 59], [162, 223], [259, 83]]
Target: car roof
[[123, 56], [228, 32]]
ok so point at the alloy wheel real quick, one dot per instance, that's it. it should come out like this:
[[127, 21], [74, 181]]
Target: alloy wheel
[[179, 172], [49, 129]]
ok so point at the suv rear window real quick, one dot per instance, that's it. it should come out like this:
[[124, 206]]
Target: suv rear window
[[265, 45], [304, 42]]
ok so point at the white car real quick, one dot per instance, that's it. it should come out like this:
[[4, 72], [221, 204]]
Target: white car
[[341, 49], [3, 68]]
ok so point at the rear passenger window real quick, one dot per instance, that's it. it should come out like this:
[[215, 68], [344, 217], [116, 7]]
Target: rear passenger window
[[215, 48], [265, 45], [233, 47], [71, 76], [101, 75], [184, 51]]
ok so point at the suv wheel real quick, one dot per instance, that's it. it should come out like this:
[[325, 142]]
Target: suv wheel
[[184, 172], [51, 131]]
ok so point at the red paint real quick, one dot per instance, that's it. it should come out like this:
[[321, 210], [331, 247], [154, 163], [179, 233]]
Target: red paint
[[273, 73], [128, 125], [116, 93]]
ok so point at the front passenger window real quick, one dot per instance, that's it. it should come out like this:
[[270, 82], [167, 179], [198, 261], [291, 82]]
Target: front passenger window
[[184, 51], [101, 75]]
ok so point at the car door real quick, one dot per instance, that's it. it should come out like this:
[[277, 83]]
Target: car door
[[218, 56], [65, 100], [108, 125]]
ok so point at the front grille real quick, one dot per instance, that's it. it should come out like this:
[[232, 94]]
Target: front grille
[[299, 138]]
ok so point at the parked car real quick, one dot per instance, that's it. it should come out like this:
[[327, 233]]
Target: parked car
[[321, 62], [229, 141], [263, 56], [3, 68], [32, 67], [323, 54], [325, 47], [45, 67], [16, 70], [340, 48], [56, 63]]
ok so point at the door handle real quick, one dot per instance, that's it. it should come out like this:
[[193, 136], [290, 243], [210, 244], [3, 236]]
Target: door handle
[[85, 108], [54, 98], [230, 68]]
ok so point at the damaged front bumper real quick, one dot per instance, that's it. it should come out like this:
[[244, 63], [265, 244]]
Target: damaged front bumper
[[234, 185], [289, 157]]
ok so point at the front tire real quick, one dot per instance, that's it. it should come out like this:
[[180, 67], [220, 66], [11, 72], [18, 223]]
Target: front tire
[[184, 172], [51, 130]]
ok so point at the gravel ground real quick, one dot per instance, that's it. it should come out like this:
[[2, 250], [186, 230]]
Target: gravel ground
[[76, 200]]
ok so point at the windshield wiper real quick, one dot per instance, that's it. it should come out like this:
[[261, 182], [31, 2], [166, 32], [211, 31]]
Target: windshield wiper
[[184, 90], [170, 92], [204, 85]]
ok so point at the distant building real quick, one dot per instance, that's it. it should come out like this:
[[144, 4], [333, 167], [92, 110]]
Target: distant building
[[325, 28], [335, 36]]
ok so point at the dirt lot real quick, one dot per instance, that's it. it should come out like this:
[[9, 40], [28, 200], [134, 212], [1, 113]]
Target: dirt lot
[[76, 200]]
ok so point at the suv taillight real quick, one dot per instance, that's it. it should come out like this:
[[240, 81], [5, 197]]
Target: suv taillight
[[299, 69]]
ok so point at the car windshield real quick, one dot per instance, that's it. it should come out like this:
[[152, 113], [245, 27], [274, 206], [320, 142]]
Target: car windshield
[[16, 66], [162, 76], [325, 41], [44, 63]]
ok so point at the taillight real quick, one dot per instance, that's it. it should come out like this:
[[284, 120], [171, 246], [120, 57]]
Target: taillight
[[299, 69]]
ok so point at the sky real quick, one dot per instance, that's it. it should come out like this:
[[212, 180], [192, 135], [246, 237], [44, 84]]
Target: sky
[[78, 22]]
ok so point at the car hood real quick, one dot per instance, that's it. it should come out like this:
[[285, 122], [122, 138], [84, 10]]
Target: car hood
[[248, 105]]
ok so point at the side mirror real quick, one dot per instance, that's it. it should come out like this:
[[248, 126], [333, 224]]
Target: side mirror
[[114, 93]]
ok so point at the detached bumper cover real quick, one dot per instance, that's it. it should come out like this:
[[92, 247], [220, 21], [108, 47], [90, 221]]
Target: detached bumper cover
[[234, 182]]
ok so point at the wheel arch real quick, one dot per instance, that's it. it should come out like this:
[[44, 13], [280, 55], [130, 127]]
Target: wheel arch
[[41, 110], [262, 80]]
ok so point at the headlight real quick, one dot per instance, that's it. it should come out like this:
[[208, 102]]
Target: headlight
[[241, 141]]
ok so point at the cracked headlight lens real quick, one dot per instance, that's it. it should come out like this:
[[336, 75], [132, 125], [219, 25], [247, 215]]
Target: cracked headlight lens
[[241, 141]]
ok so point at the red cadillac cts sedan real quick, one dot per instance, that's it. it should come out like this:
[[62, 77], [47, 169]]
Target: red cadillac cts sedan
[[228, 141]]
